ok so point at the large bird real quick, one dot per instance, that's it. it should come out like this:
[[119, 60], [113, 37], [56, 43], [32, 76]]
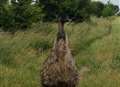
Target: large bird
[[59, 68]]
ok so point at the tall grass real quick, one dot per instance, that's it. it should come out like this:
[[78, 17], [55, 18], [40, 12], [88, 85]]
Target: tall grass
[[95, 49]]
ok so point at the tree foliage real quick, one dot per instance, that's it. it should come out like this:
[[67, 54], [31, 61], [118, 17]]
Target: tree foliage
[[65, 9], [3, 2], [97, 8], [7, 19], [19, 15], [2, 10], [22, 14], [110, 10]]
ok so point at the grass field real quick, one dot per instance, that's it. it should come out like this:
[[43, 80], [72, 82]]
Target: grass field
[[95, 46]]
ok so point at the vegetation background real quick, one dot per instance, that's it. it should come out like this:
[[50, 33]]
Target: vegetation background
[[25, 42]]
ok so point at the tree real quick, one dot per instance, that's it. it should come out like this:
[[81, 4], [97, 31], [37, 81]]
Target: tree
[[65, 10], [97, 8], [24, 13], [21, 15], [3, 2], [2, 10], [18, 15], [110, 10], [7, 19]]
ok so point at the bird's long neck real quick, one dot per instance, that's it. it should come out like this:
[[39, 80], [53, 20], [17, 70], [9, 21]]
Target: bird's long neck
[[61, 32]]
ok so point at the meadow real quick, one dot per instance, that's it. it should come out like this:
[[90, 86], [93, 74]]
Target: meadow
[[95, 46]]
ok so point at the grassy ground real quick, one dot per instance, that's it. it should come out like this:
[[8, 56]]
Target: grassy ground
[[95, 46]]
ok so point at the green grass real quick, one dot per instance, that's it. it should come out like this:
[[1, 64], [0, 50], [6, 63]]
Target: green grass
[[95, 46]]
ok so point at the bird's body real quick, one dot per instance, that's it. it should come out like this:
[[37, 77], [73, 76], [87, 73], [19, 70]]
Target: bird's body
[[59, 68]]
